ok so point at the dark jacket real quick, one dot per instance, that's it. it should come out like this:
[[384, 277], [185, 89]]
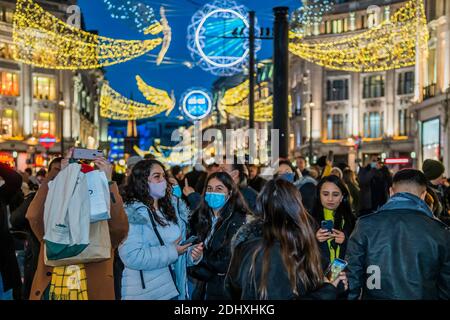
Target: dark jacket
[[374, 189], [9, 268], [440, 194], [239, 283], [250, 196], [20, 224], [307, 186], [257, 183], [216, 256], [400, 252]]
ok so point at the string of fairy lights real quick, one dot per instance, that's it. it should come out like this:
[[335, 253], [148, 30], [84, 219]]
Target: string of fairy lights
[[390, 45], [309, 15], [141, 14], [115, 106], [43, 40]]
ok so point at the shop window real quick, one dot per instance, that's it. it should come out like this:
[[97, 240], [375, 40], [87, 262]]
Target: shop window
[[9, 83], [44, 123], [9, 122], [44, 88]]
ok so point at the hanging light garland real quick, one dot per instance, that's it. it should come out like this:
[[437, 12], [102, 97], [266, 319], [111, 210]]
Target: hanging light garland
[[310, 14], [140, 13], [43, 40], [390, 45], [155, 96], [115, 106]]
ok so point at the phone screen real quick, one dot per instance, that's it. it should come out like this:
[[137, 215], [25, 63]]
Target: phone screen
[[336, 267]]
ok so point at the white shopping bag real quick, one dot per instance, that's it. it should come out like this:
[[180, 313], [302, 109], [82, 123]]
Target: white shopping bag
[[98, 195]]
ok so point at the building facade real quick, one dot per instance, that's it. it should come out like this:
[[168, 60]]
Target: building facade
[[60, 104], [354, 115], [432, 95]]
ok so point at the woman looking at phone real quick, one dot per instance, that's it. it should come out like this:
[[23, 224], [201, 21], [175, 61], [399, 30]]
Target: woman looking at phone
[[221, 213], [333, 214], [276, 257], [155, 261]]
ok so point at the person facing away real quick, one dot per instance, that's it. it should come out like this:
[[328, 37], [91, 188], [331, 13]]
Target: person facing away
[[221, 213], [155, 263], [276, 256], [401, 251], [332, 203]]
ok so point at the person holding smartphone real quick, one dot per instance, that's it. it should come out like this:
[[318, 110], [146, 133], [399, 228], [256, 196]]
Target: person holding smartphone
[[155, 254], [276, 256], [221, 213], [333, 214]]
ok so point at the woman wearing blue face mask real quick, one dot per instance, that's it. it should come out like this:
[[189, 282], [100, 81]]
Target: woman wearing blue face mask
[[222, 212], [155, 261], [286, 171]]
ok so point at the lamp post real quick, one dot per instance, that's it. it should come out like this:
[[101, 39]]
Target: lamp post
[[311, 149], [62, 105]]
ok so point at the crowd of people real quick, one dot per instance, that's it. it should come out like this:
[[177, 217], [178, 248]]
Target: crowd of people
[[231, 231]]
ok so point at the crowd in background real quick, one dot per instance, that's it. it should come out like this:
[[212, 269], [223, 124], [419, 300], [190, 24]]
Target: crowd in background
[[238, 231]]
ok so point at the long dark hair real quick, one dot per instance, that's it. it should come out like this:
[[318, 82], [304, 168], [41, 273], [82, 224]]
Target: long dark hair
[[201, 221], [137, 189], [289, 164], [342, 213], [286, 221]]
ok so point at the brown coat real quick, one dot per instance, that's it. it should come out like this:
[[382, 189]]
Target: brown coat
[[100, 280]]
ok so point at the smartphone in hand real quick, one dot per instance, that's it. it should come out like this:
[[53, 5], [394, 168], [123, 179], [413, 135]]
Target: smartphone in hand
[[86, 154], [335, 268], [327, 225], [192, 240]]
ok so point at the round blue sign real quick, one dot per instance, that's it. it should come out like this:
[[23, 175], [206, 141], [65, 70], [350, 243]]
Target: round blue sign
[[197, 104]]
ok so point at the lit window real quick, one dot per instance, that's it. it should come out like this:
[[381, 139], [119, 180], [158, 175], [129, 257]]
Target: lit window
[[373, 125], [44, 123], [44, 88], [9, 122], [9, 83]]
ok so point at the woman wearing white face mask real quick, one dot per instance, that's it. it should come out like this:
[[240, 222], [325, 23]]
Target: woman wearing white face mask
[[155, 260], [222, 212]]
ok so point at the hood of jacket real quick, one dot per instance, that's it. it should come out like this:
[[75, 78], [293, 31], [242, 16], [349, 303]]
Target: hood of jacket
[[137, 212], [407, 201], [249, 231], [304, 180]]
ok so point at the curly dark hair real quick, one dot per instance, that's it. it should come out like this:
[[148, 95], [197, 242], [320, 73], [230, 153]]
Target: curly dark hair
[[137, 190], [201, 222]]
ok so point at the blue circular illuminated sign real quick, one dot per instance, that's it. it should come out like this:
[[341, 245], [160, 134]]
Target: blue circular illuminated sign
[[197, 104]]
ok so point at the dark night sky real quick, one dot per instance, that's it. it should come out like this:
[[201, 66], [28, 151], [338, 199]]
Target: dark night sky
[[168, 77]]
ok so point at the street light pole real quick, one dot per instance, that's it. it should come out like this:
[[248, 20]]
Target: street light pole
[[251, 68], [311, 148], [62, 104], [281, 79]]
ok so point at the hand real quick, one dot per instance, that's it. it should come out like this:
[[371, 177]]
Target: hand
[[187, 190], [342, 277], [339, 236], [323, 235], [181, 249], [104, 166], [197, 251], [65, 161]]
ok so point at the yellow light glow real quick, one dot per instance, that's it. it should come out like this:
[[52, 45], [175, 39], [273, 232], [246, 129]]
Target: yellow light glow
[[43, 40], [390, 45]]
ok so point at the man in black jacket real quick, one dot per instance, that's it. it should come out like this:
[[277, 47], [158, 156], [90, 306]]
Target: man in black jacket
[[401, 251], [9, 268]]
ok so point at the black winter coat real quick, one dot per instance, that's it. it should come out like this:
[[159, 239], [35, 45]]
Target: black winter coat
[[400, 252], [9, 268], [212, 269], [241, 286]]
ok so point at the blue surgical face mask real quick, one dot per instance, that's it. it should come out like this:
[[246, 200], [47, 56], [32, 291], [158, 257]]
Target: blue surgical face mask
[[215, 200], [176, 191], [289, 176], [373, 165], [157, 190]]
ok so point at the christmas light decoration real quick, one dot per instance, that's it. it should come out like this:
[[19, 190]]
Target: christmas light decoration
[[140, 13], [236, 95], [213, 41], [155, 96], [389, 45], [43, 40], [167, 33], [115, 106], [310, 14]]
